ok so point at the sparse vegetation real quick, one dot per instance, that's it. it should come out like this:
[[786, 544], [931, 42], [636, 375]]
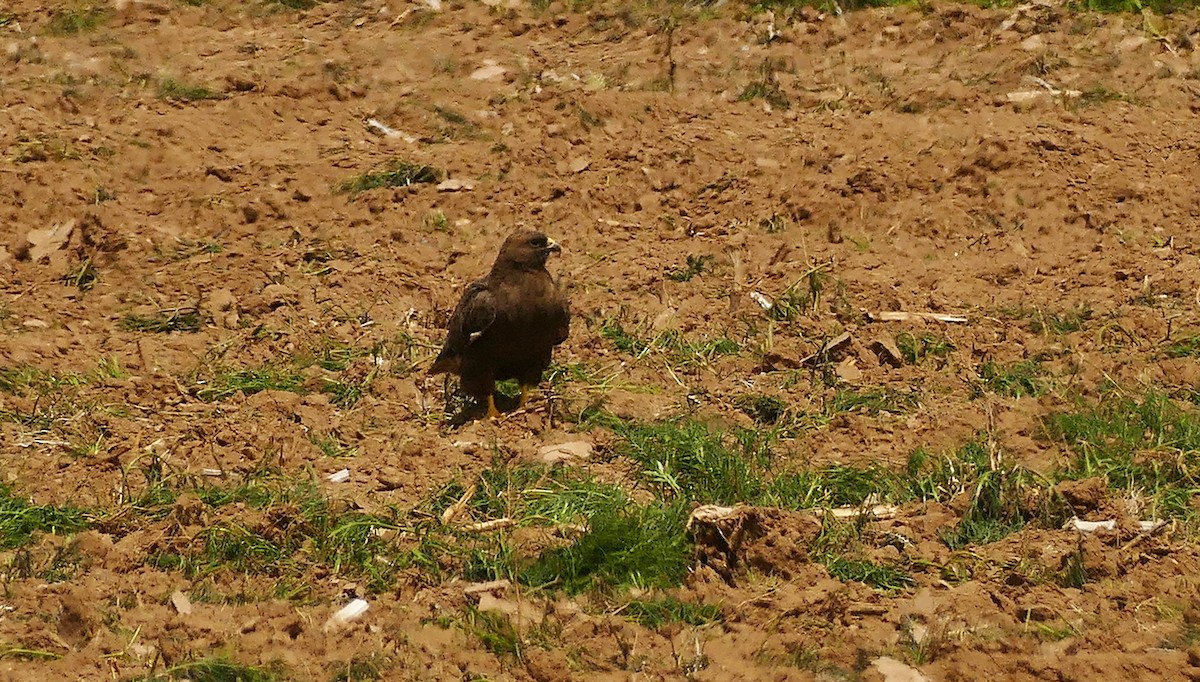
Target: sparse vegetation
[[801, 296], [165, 321], [658, 612], [77, 19], [695, 266], [916, 349], [1063, 322], [1188, 347], [764, 409], [397, 174], [766, 87], [299, 530], [296, 4], [1100, 94], [82, 277], [217, 669], [1148, 447], [21, 520], [249, 381], [1019, 379], [169, 88], [362, 669]]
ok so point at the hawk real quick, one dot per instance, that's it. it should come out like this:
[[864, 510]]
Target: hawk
[[507, 324]]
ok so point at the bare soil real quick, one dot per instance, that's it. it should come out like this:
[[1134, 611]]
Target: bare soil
[[886, 155]]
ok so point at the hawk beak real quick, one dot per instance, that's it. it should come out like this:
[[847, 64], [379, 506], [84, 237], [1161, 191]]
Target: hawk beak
[[552, 245]]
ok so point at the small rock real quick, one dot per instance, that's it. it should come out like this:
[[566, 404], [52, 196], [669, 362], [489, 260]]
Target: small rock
[[1132, 43], [488, 72], [33, 323], [565, 453], [42, 243], [887, 351], [183, 605], [347, 614], [520, 611], [896, 671], [848, 372], [1033, 43], [240, 83], [455, 185], [222, 307], [579, 164], [278, 295], [222, 174]]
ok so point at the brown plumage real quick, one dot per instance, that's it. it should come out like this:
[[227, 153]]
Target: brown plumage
[[507, 324]]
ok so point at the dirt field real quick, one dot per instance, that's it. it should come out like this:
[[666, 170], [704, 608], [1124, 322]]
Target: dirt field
[[230, 234]]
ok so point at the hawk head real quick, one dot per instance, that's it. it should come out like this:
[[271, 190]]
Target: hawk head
[[526, 249]]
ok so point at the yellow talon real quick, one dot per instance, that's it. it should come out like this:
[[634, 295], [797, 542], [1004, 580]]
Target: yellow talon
[[492, 412]]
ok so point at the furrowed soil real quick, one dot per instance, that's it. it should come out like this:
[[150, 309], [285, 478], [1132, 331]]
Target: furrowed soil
[[176, 207]]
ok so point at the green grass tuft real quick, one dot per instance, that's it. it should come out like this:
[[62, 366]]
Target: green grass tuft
[[26, 379], [1059, 323], [872, 401], [766, 87], [82, 277], [1019, 379], [70, 21], [298, 531], [678, 350], [888, 578], [917, 349], [249, 381], [621, 339], [495, 631], [658, 612], [689, 460], [362, 669], [175, 320], [1101, 94], [21, 520], [1184, 348], [1131, 6], [217, 669], [1148, 446], [764, 409], [397, 174], [695, 265], [171, 89], [625, 545]]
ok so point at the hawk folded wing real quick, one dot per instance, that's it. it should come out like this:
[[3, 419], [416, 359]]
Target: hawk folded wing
[[476, 311]]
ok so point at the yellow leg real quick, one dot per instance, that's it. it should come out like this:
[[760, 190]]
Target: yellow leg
[[523, 397], [492, 412]]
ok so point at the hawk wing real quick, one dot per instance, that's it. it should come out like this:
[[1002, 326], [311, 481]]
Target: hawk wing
[[476, 311], [562, 320]]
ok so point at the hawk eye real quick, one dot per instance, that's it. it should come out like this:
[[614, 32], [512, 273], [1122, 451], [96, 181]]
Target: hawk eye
[[538, 242]]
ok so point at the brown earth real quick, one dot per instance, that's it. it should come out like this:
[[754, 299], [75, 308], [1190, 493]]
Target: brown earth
[[897, 166]]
